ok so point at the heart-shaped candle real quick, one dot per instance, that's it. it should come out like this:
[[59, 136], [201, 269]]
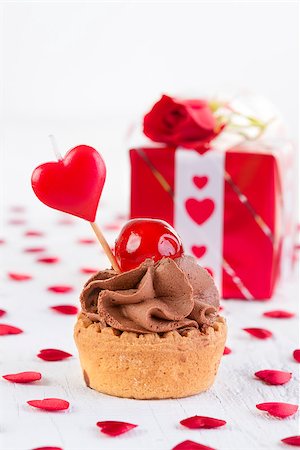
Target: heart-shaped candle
[[73, 184]]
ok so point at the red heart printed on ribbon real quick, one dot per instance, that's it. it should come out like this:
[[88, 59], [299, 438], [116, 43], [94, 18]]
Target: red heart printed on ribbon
[[200, 210], [73, 184], [200, 182], [198, 250]]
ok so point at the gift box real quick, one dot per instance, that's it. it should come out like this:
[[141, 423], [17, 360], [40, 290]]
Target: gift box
[[230, 201]]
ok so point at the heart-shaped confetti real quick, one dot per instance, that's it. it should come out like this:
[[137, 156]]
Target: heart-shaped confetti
[[88, 270], [191, 445], [33, 233], [48, 260], [279, 314], [275, 377], [200, 210], [196, 422], [114, 226], [259, 333], [50, 404], [292, 440], [19, 276], [60, 289], [47, 448], [210, 271], [86, 241], [200, 182], [23, 377], [53, 354], [227, 351], [56, 183], [114, 428], [34, 249], [17, 222], [66, 221], [278, 409], [2, 312], [17, 209], [296, 355], [65, 309], [198, 250], [9, 329]]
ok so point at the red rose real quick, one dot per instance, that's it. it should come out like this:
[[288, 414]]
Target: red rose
[[186, 123]]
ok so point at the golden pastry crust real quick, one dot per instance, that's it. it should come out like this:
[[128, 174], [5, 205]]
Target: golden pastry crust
[[149, 366]]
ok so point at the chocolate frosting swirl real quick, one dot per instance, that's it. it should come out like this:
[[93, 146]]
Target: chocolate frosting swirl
[[155, 297]]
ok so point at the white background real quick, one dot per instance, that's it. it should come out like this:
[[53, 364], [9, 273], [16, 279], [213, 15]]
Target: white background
[[85, 72]]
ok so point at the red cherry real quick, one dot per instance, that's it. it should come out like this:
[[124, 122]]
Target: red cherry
[[140, 239]]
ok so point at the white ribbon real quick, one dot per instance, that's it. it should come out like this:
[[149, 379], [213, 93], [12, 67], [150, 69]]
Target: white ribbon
[[209, 234]]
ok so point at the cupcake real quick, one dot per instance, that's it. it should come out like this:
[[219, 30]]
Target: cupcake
[[153, 330]]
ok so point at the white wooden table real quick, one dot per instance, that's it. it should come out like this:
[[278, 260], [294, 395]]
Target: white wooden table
[[233, 397]]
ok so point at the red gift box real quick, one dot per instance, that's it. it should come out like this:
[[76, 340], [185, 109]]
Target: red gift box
[[252, 216]]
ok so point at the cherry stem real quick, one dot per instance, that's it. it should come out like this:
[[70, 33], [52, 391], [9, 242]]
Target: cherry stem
[[55, 147]]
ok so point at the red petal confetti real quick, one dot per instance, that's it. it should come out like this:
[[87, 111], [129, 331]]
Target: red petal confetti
[[279, 314], [17, 222], [277, 409], [17, 209], [191, 445], [60, 289], [53, 354], [47, 448], [259, 333], [113, 428], [19, 276], [2, 241], [296, 355], [210, 271], [34, 233], [34, 249], [121, 217], [275, 377], [202, 422], [9, 329], [112, 226], [227, 351], [48, 260], [86, 241], [23, 377], [292, 440], [2, 312], [65, 309], [88, 270], [65, 221], [50, 404]]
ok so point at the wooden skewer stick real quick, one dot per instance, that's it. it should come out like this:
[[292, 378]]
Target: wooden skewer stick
[[94, 226], [105, 246]]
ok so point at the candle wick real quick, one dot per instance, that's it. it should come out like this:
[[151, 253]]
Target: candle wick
[[55, 147]]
